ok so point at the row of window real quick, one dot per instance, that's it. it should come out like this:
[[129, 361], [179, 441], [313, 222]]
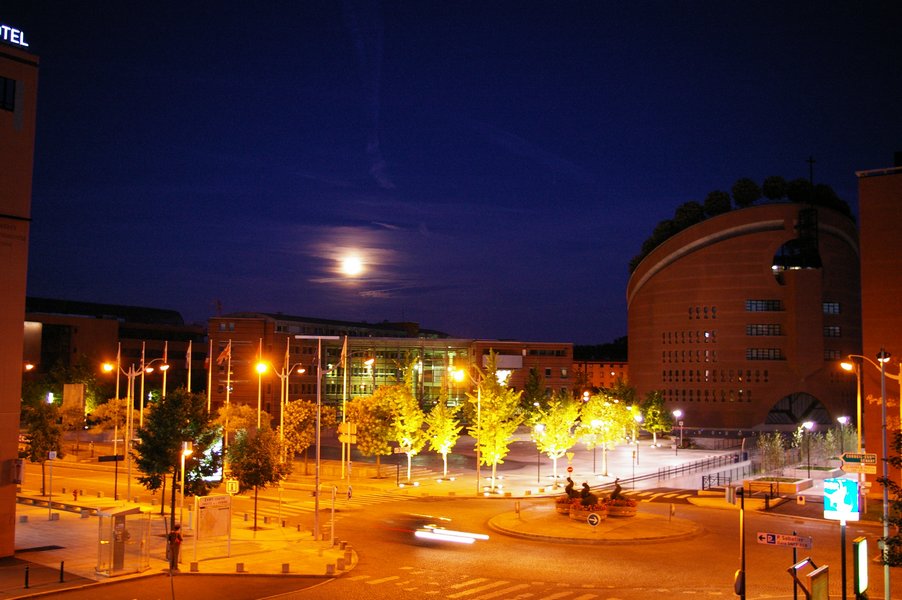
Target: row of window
[[763, 305], [547, 352], [712, 375], [691, 395], [768, 329], [682, 356], [689, 337], [764, 354], [702, 312]]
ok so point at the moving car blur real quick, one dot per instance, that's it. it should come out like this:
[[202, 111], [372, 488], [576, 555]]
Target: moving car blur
[[414, 528]]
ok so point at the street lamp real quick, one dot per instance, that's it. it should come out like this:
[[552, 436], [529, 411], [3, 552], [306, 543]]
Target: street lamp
[[187, 450], [539, 429], [843, 421], [261, 369], [319, 403], [678, 415], [131, 374], [808, 425], [882, 358]]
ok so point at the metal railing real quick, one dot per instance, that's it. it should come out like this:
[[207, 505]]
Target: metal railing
[[707, 464]]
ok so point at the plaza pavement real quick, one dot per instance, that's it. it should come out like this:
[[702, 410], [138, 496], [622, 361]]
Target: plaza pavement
[[67, 546]]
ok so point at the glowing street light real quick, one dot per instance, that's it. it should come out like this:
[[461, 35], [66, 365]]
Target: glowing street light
[[678, 415], [808, 425], [187, 450]]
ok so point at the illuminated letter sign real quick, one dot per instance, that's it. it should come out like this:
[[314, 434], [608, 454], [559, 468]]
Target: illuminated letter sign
[[13, 36]]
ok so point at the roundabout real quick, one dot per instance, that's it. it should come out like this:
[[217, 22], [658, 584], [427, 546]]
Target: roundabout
[[543, 523]]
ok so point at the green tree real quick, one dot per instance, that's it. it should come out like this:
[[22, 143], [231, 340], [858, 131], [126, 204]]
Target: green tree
[[655, 417], [443, 428], [407, 417], [373, 417], [45, 435], [236, 417], [498, 416], [717, 203], [533, 391], [554, 427], [604, 422], [893, 543], [772, 451], [300, 427], [255, 461], [688, 214], [745, 192], [178, 418]]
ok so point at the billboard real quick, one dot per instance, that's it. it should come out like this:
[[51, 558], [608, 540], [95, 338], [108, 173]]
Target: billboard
[[841, 499]]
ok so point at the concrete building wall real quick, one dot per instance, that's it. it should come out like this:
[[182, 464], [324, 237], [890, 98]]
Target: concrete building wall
[[726, 337]]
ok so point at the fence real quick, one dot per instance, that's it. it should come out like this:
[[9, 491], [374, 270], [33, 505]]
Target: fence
[[706, 464]]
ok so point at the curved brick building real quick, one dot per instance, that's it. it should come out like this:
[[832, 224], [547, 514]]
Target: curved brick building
[[741, 320]]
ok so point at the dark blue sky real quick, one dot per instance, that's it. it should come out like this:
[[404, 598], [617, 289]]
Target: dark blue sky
[[495, 164]]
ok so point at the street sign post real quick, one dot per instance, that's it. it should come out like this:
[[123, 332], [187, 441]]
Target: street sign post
[[782, 539], [853, 462], [593, 519]]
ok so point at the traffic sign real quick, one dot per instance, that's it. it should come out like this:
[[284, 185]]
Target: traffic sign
[[593, 519], [781, 539], [569, 469], [853, 462], [347, 438], [232, 486], [841, 499], [111, 458]]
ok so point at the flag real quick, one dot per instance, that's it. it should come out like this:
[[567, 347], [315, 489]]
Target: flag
[[344, 354], [226, 354], [188, 355]]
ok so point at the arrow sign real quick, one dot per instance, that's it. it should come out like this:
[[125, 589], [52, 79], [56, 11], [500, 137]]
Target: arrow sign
[[853, 462], [781, 539], [593, 519]]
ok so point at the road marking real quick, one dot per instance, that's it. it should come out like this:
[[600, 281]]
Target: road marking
[[586, 597], [483, 588], [383, 580], [358, 577], [556, 596], [503, 592], [468, 582]]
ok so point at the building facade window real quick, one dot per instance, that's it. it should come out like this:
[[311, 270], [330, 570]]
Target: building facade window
[[832, 355], [764, 354], [831, 308], [764, 329], [763, 305], [832, 331]]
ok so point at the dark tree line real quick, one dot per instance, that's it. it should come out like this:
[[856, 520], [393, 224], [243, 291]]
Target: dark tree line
[[744, 193]]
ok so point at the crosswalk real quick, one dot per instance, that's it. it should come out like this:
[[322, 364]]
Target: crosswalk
[[662, 495], [418, 580], [294, 509]]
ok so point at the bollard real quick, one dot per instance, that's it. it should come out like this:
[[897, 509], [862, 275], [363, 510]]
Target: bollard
[[23, 518], [194, 568], [62, 572], [100, 494], [348, 556], [26, 577], [266, 519], [330, 569], [340, 564], [284, 521], [299, 527], [342, 544], [239, 567], [285, 568]]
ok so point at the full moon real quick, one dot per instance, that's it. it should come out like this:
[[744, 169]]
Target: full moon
[[351, 265]]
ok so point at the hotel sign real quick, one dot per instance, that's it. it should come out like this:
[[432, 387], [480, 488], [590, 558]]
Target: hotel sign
[[12, 35]]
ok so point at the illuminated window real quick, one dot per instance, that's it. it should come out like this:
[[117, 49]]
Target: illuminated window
[[763, 305], [832, 331], [764, 329], [831, 308]]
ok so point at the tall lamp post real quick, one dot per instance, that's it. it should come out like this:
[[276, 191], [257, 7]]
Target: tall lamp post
[[678, 415], [131, 375], [808, 425], [187, 450], [319, 404], [843, 421], [283, 376]]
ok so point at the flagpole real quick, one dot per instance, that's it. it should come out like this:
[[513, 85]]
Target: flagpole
[[165, 367], [210, 377], [188, 360], [141, 403], [225, 441], [345, 446]]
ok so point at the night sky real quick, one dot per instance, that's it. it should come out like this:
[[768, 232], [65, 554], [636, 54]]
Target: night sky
[[495, 165]]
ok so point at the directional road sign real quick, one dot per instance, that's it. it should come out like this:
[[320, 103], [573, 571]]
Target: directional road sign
[[853, 462], [781, 539], [593, 519]]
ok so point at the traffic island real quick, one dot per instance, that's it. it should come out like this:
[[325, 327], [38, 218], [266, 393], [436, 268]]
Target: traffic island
[[543, 523]]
